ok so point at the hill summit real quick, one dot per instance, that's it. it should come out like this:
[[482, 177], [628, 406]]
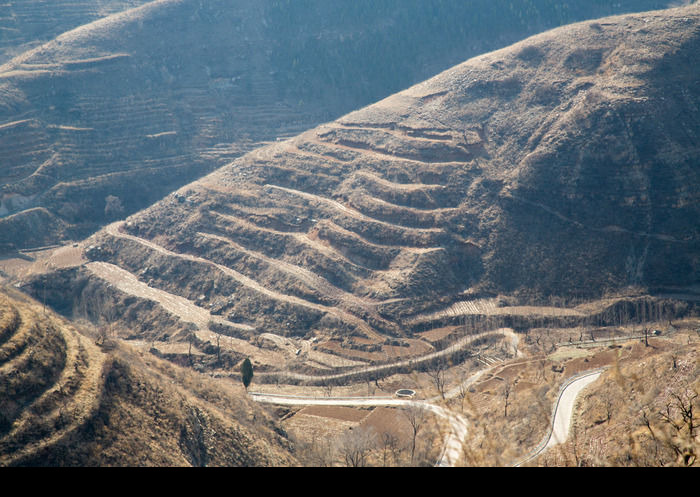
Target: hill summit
[[100, 119], [561, 168]]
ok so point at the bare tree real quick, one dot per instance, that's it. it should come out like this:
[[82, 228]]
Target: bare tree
[[369, 380], [109, 315], [679, 414], [189, 349], [437, 375], [462, 394], [328, 387], [607, 399], [543, 368], [100, 311], [355, 445], [672, 430], [416, 417], [507, 388], [389, 445], [318, 452]]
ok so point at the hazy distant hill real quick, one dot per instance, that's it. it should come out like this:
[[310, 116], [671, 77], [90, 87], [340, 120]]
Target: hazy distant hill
[[25, 24], [564, 165], [108, 117]]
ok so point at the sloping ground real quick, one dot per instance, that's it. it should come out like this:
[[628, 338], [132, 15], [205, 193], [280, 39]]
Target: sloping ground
[[27, 23], [64, 401], [643, 412], [499, 176], [108, 117]]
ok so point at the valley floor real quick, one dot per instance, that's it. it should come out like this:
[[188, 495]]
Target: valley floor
[[499, 384]]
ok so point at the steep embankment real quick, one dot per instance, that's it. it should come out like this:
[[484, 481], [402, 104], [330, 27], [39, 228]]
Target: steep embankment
[[65, 401], [108, 117]]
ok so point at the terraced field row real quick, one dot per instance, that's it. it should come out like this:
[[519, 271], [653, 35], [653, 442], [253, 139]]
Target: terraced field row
[[66, 401], [273, 242], [89, 119], [336, 233], [462, 308], [50, 381], [258, 291], [27, 22]]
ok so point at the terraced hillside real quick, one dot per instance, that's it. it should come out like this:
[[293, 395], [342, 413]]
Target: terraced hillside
[[107, 118], [65, 401], [550, 169], [27, 23]]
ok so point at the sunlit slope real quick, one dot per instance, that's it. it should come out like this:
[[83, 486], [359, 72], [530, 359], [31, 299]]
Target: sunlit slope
[[108, 117], [65, 401], [552, 167]]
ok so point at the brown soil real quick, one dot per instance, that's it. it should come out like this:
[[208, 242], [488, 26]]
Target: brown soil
[[335, 412]]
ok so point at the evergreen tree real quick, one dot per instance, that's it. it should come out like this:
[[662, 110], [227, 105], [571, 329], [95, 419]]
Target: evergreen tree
[[246, 373]]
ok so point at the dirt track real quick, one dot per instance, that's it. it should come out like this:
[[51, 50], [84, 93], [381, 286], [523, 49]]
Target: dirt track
[[452, 448], [113, 229]]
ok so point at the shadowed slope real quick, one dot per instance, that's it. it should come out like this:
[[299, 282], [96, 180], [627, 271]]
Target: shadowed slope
[[27, 23]]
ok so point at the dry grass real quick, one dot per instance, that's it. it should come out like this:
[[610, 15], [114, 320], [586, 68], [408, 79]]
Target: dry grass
[[378, 436], [67, 402], [141, 410], [633, 416], [610, 424]]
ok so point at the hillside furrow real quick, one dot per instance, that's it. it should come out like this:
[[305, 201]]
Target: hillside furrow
[[184, 309], [371, 227], [75, 398], [250, 283], [310, 278], [290, 239], [19, 347]]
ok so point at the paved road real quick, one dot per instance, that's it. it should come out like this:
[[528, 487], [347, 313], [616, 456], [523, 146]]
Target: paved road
[[453, 445], [563, 413], [565, 409]]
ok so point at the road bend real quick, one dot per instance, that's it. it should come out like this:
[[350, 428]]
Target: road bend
[[563, 412], [452, 447]]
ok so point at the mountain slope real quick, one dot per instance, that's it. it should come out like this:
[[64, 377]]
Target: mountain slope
[[65, 401], [106, 118], [27, 23], [563, 166]]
